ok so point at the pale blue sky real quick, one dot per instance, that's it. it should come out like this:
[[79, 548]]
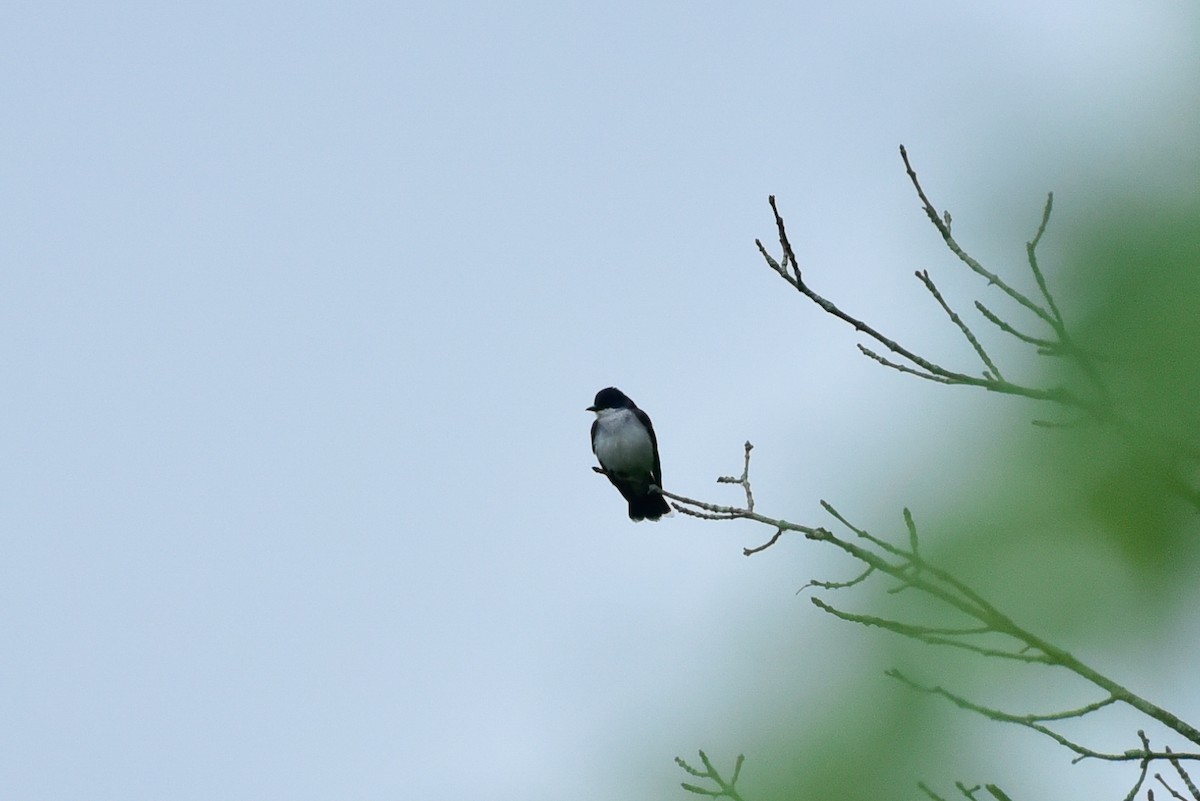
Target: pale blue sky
[[301, 305]]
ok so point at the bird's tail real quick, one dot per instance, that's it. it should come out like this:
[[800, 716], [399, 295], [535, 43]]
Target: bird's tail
[[651, 506]]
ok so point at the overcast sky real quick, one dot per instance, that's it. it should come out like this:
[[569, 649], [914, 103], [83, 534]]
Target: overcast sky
[[301, 306]]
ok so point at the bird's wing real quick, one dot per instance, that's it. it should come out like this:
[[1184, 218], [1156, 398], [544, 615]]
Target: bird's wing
[[644, 419]]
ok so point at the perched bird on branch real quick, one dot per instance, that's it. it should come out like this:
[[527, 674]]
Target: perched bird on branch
[[624, 442]]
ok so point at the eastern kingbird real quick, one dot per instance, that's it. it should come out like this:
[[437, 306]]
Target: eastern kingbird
[[623, 440]]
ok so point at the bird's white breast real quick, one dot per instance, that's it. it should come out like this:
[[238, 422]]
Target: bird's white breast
[[622, 443]]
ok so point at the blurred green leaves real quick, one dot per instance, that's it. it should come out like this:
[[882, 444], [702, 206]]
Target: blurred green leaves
[[1143, 319]]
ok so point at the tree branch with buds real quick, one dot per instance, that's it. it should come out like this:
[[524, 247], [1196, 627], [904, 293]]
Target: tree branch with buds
[[971, 623]]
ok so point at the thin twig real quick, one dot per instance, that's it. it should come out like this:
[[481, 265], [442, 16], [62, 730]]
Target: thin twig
[[941, 379], [923, 276], [995, 320], [927, 635], [765, 545], [916, 572], [863, 533], [1170, 789], [744, 480], [1145, 767], [963, 256], [927, 369], [839, 585], [725, 789], [1031, 250], [798, 282], [1035, 722], [912, 535], [1183, 775], [925, 789]]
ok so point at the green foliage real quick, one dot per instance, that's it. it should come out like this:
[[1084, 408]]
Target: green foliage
[[1142, 485]]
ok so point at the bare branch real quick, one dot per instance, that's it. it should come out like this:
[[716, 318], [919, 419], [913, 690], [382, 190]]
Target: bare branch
[[969, 792], [922, 367], [1145, 767], [712, 511], [1035, 722], [1183, 775], [864, 534], [788, 254], [912, 534], [829, 307], [774, 538], [724, 789], [1031, 250], [938, 583], [963, 256], [838, 585], [870, 354], [987, 632], [744, 480], [1169, 788], [923, 276], [930, 635], [925, 789], [995, 319]]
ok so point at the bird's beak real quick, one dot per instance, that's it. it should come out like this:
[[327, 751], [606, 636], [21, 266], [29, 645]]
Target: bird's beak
[[591, 408]]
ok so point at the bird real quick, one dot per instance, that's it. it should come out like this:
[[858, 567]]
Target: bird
[[624, 443]]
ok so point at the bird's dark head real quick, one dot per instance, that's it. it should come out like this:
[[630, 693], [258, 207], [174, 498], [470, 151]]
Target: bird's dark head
[[611, 398]]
